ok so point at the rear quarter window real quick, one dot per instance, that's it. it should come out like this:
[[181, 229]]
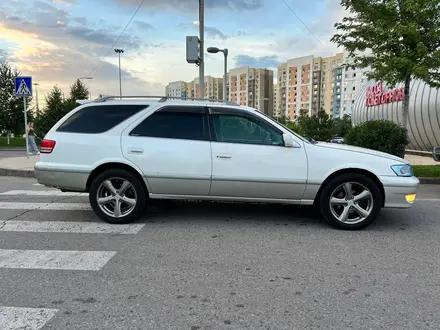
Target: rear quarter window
[[99, 119]]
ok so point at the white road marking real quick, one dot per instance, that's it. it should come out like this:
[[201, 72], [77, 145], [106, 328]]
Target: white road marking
[[45, 206], [37, 184], [21, 318], [41, 193], [53, 259], [69, 227]]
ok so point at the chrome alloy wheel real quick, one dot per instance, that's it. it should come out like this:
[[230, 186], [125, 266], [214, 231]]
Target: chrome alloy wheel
[[351, 203], [116, 197]]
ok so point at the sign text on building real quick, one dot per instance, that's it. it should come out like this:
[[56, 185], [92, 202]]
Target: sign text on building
[[376, 95]]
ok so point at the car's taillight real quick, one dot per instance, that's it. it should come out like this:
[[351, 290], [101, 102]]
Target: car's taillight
[[47, 146]]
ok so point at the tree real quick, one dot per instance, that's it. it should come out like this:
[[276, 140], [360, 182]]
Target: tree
[[403, 37], [341, 127], [57, 107], [78, 91], [11, 107], [318, 127], [54, 110]]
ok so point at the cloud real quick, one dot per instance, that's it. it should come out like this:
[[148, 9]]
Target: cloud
[[64, 2], [143, 25], [4, 54], [257, 62], [192, 5], [211, 31]]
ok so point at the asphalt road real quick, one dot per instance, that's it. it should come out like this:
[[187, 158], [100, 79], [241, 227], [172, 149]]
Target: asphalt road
[[213, 266]]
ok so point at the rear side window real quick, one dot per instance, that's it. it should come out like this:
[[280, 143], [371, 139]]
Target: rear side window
[[98, 119], [174, 122]]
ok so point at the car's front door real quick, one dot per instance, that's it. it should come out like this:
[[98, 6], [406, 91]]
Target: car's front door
[[250, 160], [173, 150]]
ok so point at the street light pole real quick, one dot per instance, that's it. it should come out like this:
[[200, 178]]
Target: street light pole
[[120, 51], [87, 78], [202, 48], [36, 96], [225, 52]]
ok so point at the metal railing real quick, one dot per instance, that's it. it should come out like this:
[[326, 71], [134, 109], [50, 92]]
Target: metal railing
[[162, 98]]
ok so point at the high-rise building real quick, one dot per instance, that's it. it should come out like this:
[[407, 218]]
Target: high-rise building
[[353, 80], [176, 89], [276, 109], [252, 87], [294, 86], [213, 88], [328, 70]]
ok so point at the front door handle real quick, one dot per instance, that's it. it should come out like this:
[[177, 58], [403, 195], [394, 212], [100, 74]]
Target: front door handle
[[223, 157], [136, 150]]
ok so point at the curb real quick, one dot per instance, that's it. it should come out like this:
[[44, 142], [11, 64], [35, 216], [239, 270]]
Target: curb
[[17, 173], [429, 180], [427, 154]]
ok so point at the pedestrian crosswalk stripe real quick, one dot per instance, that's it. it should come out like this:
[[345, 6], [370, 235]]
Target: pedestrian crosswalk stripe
[[41, 193], [53, 259], [45, 206], [15, 318], [69, 227]]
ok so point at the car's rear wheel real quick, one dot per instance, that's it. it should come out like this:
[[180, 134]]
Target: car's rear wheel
[[117, 196], [350, 201]]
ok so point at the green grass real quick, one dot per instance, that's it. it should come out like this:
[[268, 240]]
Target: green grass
[[14, 142], [426, 171]]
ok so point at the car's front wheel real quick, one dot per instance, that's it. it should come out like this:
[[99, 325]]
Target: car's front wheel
[[117, 196], [350, 201]]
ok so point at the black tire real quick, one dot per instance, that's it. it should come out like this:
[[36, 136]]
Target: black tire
[[358, 180], [141, 196]]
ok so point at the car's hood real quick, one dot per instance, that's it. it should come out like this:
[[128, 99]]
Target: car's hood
[[360, 150]]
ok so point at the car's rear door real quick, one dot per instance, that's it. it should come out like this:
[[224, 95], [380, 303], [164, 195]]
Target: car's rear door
[[172, 148]]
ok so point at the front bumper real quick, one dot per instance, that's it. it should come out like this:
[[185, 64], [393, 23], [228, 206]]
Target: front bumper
[[397, 189], [66, 179]]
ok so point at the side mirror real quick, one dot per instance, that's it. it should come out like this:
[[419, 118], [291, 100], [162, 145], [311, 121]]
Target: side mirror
[[436, 154], [288, 140]]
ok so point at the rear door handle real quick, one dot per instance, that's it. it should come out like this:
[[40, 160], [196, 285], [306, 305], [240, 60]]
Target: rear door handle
[[223, 157], [136, 150]]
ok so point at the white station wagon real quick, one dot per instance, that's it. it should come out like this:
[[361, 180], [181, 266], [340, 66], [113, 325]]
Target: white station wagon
[[124, 152]]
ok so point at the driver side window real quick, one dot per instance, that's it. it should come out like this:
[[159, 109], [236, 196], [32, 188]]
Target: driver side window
[[234, 128]]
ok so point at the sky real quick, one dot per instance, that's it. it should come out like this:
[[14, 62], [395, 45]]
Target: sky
[[58, 41]]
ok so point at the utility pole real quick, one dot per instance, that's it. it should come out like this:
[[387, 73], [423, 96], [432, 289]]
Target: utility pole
[[120, 51], [202, 48], [36, 96]]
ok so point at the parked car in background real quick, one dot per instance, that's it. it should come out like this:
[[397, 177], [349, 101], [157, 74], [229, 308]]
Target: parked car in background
[[436, 154], [337, 139], [126, 152]]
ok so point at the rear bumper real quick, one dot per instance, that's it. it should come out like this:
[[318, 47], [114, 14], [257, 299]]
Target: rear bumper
[[397, 188], [74, 180]]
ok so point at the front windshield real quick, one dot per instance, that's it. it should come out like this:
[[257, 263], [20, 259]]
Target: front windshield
[[288, 129]]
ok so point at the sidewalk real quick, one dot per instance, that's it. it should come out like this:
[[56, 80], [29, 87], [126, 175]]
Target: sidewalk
[[18, 166], [22, 166]]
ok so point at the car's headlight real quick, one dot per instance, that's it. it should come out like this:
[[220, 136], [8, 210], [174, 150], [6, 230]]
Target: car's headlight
[[402, 170]]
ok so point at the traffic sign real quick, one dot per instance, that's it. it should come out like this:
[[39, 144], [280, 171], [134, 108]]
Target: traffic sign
[[23, 86]]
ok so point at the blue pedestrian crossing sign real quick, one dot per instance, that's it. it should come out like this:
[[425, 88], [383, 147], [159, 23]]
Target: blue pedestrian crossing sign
[[23, 86]]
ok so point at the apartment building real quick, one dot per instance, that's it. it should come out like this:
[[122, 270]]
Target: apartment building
[[353, 81], [213, 88], [176, 89], [276, 109], [252, 87], [294, 86], [327, 84]]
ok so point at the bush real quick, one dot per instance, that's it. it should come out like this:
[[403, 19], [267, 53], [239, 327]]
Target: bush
[[380, 135]]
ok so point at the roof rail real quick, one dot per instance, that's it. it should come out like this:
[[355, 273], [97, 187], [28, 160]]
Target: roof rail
[[162, 98]]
